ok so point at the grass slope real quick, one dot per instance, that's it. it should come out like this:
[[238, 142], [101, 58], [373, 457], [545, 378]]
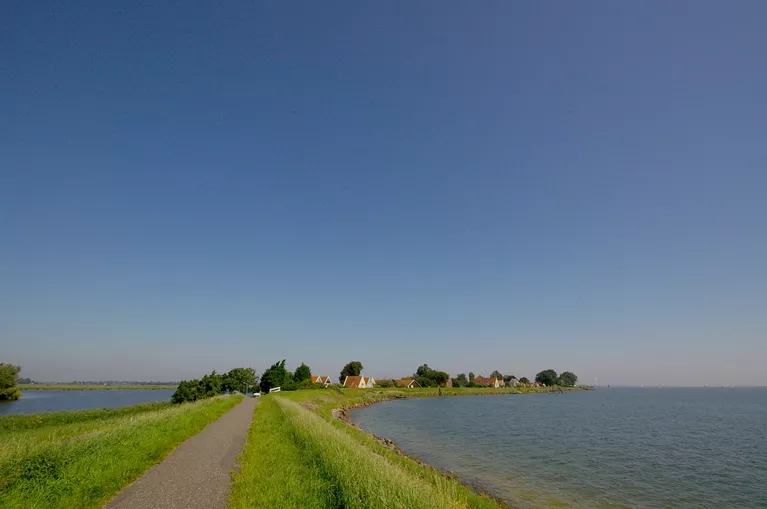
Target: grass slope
[[83, 464], [20, 422], [299, 455]]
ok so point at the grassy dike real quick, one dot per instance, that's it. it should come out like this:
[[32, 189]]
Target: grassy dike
[[83, 458], [299, 455]]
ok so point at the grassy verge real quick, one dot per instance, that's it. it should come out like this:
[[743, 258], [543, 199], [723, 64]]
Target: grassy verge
[[82, 464], [299, 455], [21, 422], [95, 387]]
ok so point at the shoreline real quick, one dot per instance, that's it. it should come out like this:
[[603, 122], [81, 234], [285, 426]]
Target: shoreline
[[341, 414], [91, 387]]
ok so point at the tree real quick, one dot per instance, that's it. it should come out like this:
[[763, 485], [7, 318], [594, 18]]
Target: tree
[[496, 374], [239, 379], [568, 379], [275, 376], [423, 370], [471, 379], [303, 372], [428, 377], [9, 376], [385, 383], [547, 377], [524, 380], [354, 368], [461, 380], [508, 378], [187, 390]]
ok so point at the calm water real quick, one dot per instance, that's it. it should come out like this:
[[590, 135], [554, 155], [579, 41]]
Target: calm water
[[53, 401], [654, 448]]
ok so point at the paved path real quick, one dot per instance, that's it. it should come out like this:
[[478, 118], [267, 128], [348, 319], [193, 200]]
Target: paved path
[[196, 474]]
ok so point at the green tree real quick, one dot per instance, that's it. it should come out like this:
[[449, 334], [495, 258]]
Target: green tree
[[303, 372], [211, 385], [354, 368], [547, 377], [9, 376], [385, 383], [423, 370], [461, 380], [239, 379], [471, 379], [508, 378], [524, 380], [187, 390], [568, 379], [496, 374], [428, 377], [275, 376]]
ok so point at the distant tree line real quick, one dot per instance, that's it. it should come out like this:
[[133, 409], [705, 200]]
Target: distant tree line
[[9, 382], [428, 377], [277, 375], [238, 379], [550, 377]]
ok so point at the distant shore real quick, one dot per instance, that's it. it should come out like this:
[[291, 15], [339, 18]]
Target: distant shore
[[95, 387]]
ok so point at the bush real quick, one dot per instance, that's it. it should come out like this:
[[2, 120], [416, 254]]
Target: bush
[[213, 385], [9, 376]]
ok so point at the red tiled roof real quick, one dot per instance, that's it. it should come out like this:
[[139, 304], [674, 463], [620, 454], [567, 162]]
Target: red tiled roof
[[405, 382], [353, 381]]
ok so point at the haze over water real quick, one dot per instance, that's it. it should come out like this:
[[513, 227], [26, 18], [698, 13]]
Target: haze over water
[[648, 448]]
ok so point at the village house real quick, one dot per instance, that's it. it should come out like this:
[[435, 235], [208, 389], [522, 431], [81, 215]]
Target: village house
[[488, 382], [359, 382], [407, 383], [324, 380]]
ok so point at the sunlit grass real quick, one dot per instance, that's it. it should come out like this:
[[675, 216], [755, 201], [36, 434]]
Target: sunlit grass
[[362, 478], [299, 455], [20, 422], [275, 471], [83, 464]]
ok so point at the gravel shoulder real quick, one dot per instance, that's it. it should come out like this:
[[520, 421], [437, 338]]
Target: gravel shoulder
[[196, 475]]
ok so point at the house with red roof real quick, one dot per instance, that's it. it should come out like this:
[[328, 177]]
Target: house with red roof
[[359, 382], [407, 383], [488, 382], [324, 380]]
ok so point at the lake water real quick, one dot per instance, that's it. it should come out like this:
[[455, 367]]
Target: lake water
[[53, 401], [643, 448]]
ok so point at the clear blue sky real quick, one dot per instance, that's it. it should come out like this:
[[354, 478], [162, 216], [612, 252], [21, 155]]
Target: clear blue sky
[[497, 185]]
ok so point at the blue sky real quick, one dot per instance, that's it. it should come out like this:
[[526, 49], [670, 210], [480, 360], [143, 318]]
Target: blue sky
[[499, 185]]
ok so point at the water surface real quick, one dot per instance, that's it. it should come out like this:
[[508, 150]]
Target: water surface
[[54, 401], [653, 448]]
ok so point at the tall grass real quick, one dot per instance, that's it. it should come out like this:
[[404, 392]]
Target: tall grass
[[363, 479], [275, 471], [299, 455], [9, 423], [82, 465]]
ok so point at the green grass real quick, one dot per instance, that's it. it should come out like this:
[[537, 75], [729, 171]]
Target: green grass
[[299, 455], [20, 422], [94, 387], [84, 463], [275, 471]]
